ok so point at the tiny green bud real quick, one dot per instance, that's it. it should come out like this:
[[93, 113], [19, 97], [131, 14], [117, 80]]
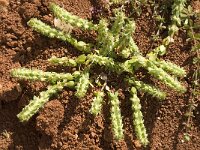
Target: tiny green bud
[[81, 59]]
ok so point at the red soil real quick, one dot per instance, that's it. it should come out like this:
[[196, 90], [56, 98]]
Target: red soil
[[65, 122]]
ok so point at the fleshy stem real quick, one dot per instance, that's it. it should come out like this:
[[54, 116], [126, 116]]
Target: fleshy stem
[[116, 117], [129, 28], [106, 40], [136, 62], [38, 102], [97, 103], [108, 62], [102, 31], [34, 74], [141, 86], [119, 23], [159, 73], [46, 30], [66, 61], [82, 84], [171, 68], [74, 20], [126, 46], [138, 120]]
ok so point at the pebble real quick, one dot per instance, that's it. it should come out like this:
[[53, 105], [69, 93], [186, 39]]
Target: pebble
[[137, 143]]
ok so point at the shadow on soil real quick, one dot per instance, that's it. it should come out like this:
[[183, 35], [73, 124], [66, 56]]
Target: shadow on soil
[[21, 135]]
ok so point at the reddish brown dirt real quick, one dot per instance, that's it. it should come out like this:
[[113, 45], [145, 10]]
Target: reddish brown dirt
[[65, 122]]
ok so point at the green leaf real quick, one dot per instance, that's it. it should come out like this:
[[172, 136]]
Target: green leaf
[[81, 59], [196, 47], [186, 137], [196, 60], [190, 10], [196, 26], [190, 34], [197, 36]]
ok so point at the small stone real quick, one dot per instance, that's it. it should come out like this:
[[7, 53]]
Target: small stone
[[137, 143], [60, 144], [28, 49], [93, 134]]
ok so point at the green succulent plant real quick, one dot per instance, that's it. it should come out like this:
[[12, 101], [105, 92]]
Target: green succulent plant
[[112, 44]]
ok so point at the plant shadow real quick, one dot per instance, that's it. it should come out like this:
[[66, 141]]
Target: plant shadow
[[16, 134]]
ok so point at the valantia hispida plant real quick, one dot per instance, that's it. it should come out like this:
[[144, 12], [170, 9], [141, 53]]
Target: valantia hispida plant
[[114, 42]]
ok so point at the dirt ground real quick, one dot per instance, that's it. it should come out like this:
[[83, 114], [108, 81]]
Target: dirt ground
[[65, 122]]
